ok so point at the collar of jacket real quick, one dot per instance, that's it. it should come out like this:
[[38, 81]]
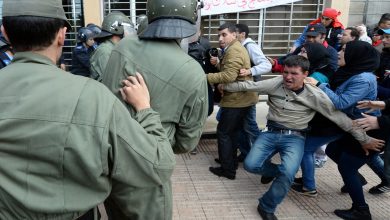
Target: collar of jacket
[[231, 43], [247, 40], [31, 57]]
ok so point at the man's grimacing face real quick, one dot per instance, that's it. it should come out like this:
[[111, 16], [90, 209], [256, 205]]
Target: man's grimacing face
[[293, 77]]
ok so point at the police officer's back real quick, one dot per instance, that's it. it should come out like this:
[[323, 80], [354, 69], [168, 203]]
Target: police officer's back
[[177, 83], [115, 26], [66, 142]]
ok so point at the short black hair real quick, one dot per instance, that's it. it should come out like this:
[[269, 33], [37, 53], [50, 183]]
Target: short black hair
[[243, 28], [354, 32], [384, 18], [297, 61], [231, 27], [27, 33]]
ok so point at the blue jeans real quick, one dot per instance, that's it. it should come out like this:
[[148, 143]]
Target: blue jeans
[[250, 132], [290, 148], [307, 165], [231, 121]]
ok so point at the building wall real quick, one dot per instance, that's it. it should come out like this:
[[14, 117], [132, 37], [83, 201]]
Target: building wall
[[367, 12]]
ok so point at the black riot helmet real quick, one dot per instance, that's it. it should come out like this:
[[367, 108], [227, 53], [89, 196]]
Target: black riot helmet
[[94, 28], [84, 34]]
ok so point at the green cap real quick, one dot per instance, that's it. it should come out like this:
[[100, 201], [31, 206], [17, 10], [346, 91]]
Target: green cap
[[40, 8]]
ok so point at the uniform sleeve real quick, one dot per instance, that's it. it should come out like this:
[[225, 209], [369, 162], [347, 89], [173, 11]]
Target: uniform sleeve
[[98, 64], [261, 63], [140, 159], [322, 104], [232, 65], [192, 119]]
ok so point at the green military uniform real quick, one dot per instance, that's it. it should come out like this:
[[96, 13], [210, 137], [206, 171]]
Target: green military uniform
[[176, 82], [114, 26], [67, 143], [100, 58]]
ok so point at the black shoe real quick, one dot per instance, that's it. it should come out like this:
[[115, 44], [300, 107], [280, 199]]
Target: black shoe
[[363, 181], [218, 161], [355, 213], [266, 179], [265, 215], [379, 189], [298, 181], [218, 171]]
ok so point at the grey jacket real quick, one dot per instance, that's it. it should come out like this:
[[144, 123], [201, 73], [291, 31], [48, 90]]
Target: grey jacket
[[294, 111]]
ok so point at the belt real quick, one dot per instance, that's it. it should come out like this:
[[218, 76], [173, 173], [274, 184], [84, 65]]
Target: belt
[[284, 131]]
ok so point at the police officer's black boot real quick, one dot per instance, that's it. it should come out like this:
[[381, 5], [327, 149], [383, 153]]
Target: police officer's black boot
[[354, 213]]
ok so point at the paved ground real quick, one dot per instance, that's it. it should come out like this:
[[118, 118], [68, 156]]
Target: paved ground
[[198, 194]]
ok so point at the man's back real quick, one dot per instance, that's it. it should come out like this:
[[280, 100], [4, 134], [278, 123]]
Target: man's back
[[176, 82], [66, 141], [100, 58]]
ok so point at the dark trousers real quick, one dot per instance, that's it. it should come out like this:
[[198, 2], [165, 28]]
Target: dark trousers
[[230, 123], [348, 165]]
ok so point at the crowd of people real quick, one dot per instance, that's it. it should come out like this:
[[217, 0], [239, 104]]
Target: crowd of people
[[106, 134]]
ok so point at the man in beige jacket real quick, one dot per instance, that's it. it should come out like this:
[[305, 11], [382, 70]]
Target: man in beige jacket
[[234, 105]]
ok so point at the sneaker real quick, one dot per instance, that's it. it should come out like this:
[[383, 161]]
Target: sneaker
[[219, 171], [379, 189], [298, 181], [299, 189], [319, 163]]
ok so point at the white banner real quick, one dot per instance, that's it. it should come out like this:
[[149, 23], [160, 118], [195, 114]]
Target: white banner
[[213, 7]]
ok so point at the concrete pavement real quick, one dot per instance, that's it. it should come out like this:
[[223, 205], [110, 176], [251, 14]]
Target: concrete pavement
[[198, 194]]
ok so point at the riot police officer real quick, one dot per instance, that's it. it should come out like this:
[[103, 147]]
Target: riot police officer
[[177, 83], [6, 52], [115, 26], [66, 142], [82, 52]]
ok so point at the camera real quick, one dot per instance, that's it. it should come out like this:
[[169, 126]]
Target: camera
[[214, 52]]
